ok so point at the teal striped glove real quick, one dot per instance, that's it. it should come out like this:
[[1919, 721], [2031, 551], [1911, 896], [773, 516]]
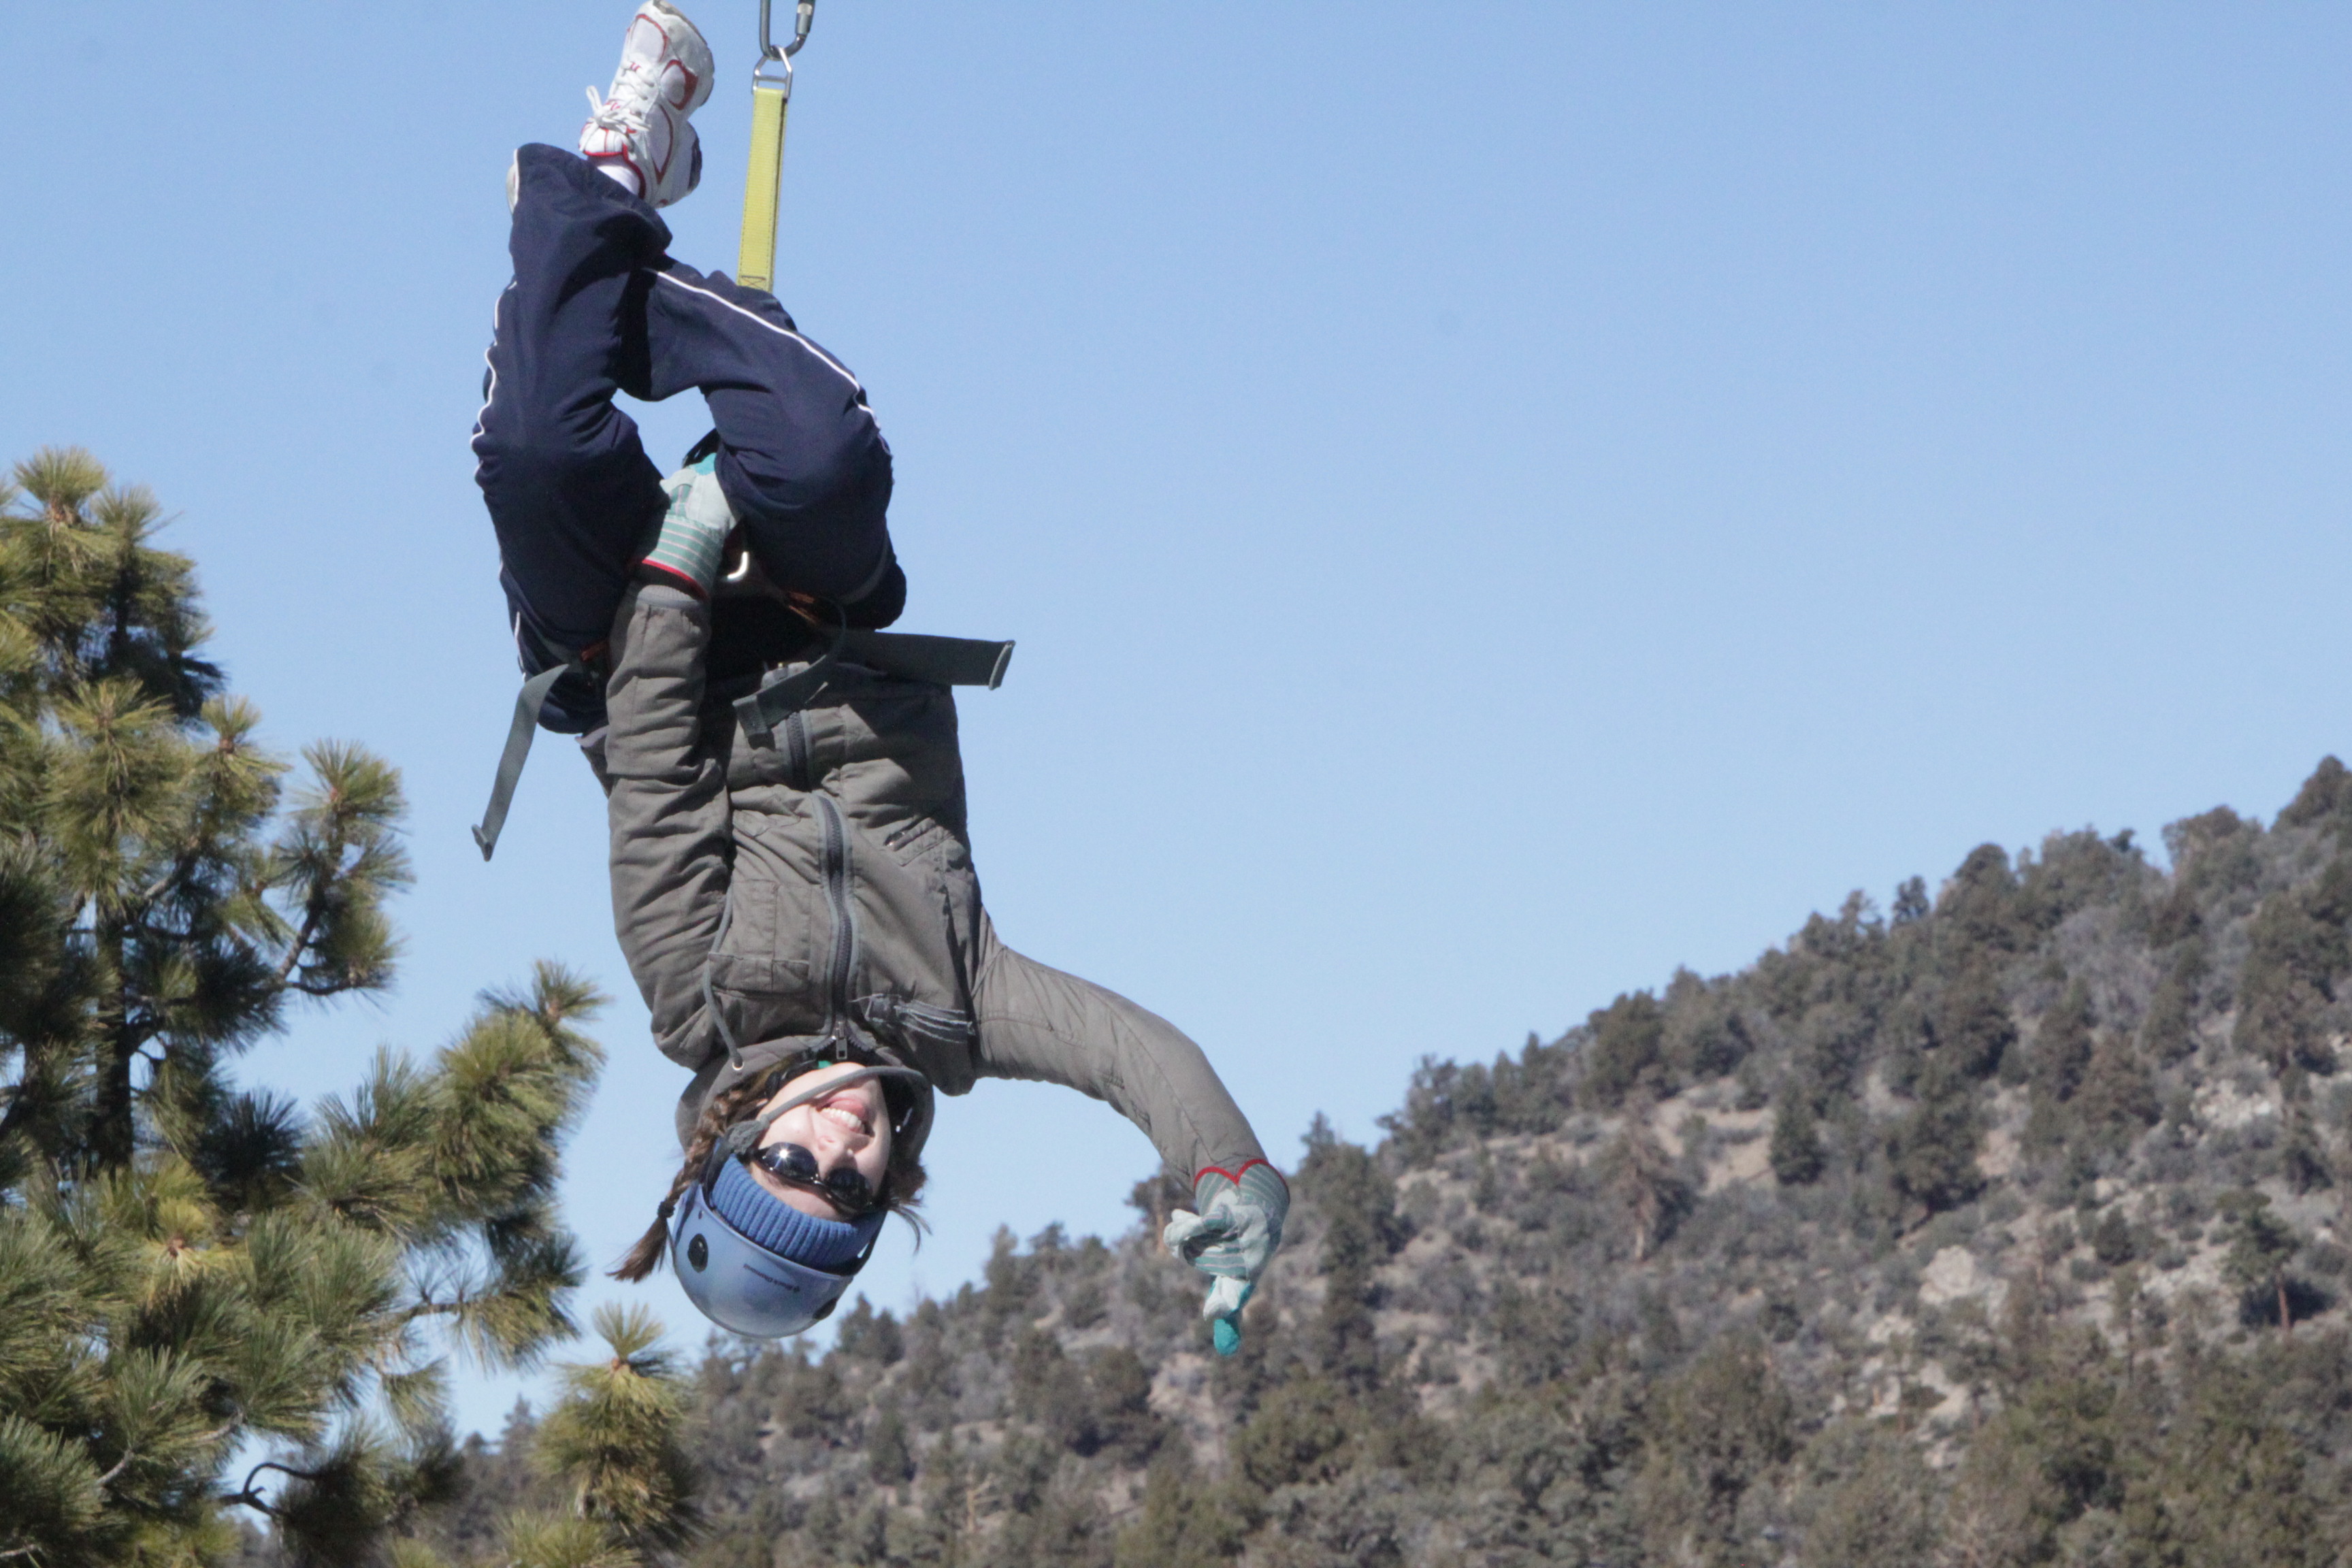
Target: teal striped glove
[[1231, 1240], [692, 539]]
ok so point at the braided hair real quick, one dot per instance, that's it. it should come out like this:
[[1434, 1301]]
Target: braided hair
[[902, 1183]]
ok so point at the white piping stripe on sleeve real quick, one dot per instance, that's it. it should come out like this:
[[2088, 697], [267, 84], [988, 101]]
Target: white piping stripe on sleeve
[[838, 368], [490, 382]]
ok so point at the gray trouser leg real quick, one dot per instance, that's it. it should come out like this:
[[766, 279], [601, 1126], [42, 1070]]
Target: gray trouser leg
[[1040, 1023]]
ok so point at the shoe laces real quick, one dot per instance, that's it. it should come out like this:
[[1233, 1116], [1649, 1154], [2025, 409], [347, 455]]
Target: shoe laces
[[630, 107], [624, 117]]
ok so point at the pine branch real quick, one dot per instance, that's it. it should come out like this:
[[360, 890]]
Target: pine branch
[[12, 1119], [302, 940], [245, 1497], [615, 1437]]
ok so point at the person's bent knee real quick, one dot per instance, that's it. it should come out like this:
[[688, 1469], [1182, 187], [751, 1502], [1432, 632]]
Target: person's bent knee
[[821, 524]]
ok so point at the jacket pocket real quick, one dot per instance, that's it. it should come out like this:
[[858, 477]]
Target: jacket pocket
[[915, 844], [776, 909], [909, 972]]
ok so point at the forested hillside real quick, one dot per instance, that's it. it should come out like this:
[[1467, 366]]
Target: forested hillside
[[2000, 1226]]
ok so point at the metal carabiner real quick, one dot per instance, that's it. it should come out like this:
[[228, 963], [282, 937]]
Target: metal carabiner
[[801, 20], [771, 55]]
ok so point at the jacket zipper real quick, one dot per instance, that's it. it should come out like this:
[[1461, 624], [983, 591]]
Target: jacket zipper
[[845, 913], [796, 750]]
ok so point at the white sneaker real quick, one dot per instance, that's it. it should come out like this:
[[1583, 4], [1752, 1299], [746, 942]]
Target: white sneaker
[[641, 125]]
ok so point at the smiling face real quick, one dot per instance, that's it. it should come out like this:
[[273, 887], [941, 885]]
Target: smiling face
[[848, 1127]]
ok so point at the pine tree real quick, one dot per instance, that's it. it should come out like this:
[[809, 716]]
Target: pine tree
[[1796, 1151], [2062, 1048], [613, 1440], [2261, 1245], [1722, 1426], [1641, 1177], [1363, 1231], [1981, 904], [1931, 1153], [2327, 795], [2168, 1033], [2302, 1158], [189, 1270], [1626, 1050], [164, 913], [1185, 1522], [1974, 1030], [2061, 1055], [2301, 952], [2116, 1102]]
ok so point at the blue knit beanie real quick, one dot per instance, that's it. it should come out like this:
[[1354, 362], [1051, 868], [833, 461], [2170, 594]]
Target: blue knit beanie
[[766, 1220]]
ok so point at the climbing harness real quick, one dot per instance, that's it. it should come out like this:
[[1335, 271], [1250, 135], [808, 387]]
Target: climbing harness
[[943, 661], [755, 265]]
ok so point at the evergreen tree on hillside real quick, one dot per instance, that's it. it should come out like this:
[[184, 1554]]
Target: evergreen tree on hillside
[[1642, 1180], [2325, 799], [1973, 1029], [1981, 906], [2116, 1102], [2062, 1056], [2301, 953], [2062, 1049], [189, 1270], [2168, 1033], [2261, 1245], [1931, 1153], [1796, 1153], [1721, 1429], [1363, 1231], [1626, 1050]]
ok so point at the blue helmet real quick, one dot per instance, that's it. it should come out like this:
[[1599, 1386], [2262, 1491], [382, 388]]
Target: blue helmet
[[752, 1287], [757, 1266]]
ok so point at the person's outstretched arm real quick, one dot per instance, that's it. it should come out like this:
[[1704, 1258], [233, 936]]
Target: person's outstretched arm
[[1040, 1023]]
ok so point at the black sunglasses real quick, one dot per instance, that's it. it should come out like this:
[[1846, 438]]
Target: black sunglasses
[[846, 1187]]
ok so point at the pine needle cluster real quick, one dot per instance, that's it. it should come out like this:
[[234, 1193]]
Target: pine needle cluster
[[193, 1273]]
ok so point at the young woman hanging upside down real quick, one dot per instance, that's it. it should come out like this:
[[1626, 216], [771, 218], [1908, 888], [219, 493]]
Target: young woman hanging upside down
[[792, 880]]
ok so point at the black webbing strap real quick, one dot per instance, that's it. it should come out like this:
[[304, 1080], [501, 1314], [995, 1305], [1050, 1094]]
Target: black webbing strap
[[510, 761], [780, 694], [949, 661]]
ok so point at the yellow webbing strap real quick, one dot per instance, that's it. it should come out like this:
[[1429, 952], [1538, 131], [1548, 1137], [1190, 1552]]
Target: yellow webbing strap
[[755, 265]]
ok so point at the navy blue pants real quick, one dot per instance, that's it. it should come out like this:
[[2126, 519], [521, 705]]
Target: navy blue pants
[[598, 307]]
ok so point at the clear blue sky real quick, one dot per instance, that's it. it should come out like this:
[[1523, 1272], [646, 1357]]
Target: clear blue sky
[[1496, 502]]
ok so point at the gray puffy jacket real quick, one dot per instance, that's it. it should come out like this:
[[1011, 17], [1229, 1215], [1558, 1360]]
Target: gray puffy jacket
[[764, 892]]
